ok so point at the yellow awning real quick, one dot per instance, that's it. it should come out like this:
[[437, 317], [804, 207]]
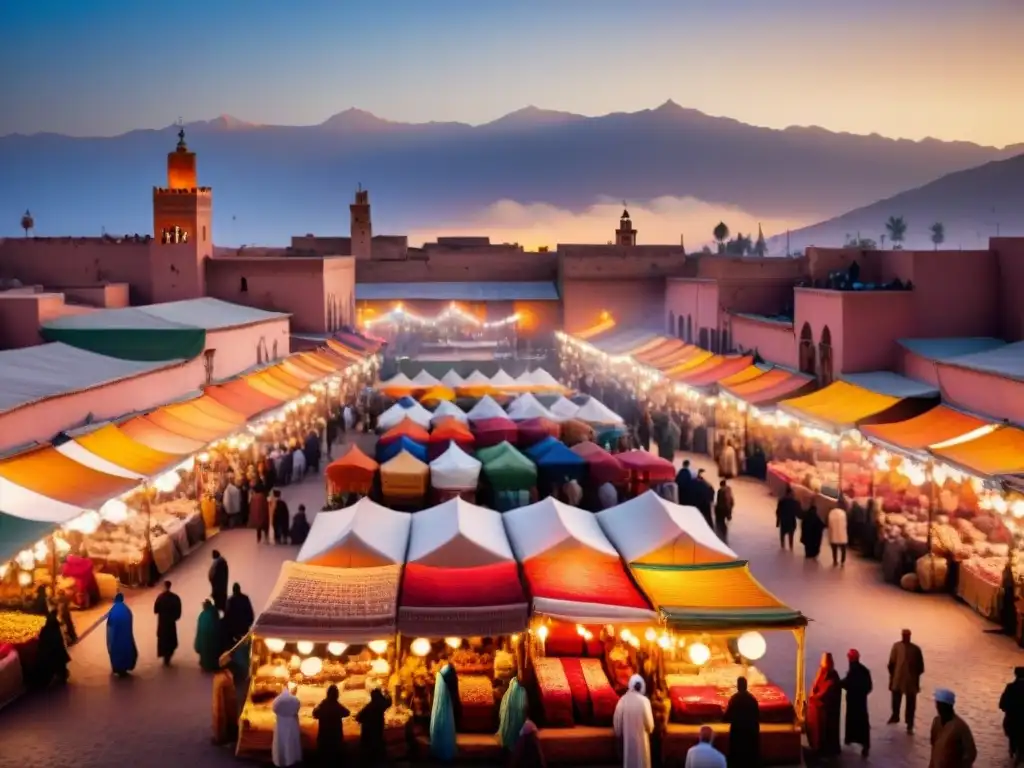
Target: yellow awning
[[838, 406], [998, 453], [113, 445], [49, 473]]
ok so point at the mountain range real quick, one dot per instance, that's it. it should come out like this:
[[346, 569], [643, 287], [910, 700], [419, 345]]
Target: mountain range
[[274, 181]]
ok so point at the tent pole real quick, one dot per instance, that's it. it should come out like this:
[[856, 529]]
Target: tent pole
[[801, 662]]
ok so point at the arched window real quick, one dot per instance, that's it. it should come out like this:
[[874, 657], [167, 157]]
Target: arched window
[[703, 341], [244, 286], [725, 341], [204, 233], [689, 329], [681, 327], [825, 358], [807, 356], [714, 341], [671, 321]]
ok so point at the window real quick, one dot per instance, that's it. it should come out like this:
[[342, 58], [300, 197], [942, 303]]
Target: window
[[689, 329], [204, 233], [808, 358], [208, 364], [825, 358], [671, 321], [244, 287], [680, 328]]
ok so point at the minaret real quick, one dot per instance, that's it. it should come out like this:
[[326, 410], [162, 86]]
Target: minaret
[[361, 225], [182, 211], [625, 234]]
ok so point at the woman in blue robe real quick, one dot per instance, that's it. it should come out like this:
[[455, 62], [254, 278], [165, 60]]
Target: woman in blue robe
[[512, 715], [208, 638], [120, 639], [442, 717]]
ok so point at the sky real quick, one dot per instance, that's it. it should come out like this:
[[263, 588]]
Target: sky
[[949, 69]]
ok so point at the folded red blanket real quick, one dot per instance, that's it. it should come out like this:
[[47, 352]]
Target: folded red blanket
[[479, 713], [555, 695], [697, 703], [603, 698], [578, 687], [773, 704]]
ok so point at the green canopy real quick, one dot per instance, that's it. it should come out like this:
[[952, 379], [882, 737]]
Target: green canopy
[[493, 451], [17, 534], [509, 470], [127, 334]]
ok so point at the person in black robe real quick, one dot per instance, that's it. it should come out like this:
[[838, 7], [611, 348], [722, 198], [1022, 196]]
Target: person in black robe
[[1012, 705], [811, 531], [300, 526], [1008, 604], [219, 581], [238, 617], [743, 714], [281, 518], [167, 608], [284, 475], [52, 657], [857, 685], [724, 503], [787, 512], [311, 450], [371, 722], [703, 497], [330, 738]]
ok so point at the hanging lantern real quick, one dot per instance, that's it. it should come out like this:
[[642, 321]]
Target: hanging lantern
[[420, 646], [274, 645], [699, 654], [453, 642], [336, 648], [312, 666], [378, 646], [305, 647], [752, 645]]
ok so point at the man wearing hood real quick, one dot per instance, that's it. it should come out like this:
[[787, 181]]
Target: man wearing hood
[[634, 723]]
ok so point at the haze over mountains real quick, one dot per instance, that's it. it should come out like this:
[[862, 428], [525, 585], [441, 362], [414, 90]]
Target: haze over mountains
[[274, 181]]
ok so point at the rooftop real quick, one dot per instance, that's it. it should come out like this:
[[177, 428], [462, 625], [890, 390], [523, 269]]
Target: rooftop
[[536, 291], [946, 349], [206, 313], [890, 384], [1006, 360]]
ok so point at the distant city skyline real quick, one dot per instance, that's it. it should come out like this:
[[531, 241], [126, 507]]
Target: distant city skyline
[[911, 69]]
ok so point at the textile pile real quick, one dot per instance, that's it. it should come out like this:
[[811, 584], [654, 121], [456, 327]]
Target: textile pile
[[555, 695], [600, 580], [479, 715]]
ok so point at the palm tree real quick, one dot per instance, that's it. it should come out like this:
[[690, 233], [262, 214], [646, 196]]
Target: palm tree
[[897, 229], [721, 233], [938, 234], [760, 247], [27, 222]]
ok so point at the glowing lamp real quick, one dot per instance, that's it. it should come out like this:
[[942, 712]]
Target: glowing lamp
[[515, 639], [305, 647], [420, 646], [312, 666], [624, 635], [634, 641], [588, 635], [580, 630], [542, 633], [294, 662], [274, 645], [650, 635], [453, 642], [336, 648], [167, 482], [751, 645], [24, 578], [664, 642], [699, 654], [378, 646]]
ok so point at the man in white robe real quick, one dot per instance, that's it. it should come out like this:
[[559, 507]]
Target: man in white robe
[[287, 746], [634, 722]]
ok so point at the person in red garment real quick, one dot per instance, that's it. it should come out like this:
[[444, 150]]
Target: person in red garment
[[823, 710]]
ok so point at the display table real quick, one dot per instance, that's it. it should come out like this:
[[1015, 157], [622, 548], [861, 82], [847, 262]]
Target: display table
[[983, 596]]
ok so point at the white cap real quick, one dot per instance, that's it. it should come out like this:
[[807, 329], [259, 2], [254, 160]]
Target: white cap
[[945, 696]]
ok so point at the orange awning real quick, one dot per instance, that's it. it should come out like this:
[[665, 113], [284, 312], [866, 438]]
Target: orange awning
[[340, 349], [352, 473], [1000, 452], [935, 426], [300, 370], [839, 405], [113, 445], [663, 349], [602, 326], [405, 428], [437, 393], [691, 362], [146, 432], [451, 424], [710, 373], [278, 373], [775, 384], [50, 473], [321, 361], [270, 386], [678, 357], [749, 373], [241, 398], [214, 409], [198, 421], [178, 426]]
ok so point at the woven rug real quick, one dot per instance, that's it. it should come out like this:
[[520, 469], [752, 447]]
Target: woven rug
[[773, 704], [581, 709], [555, 696], [593, 579], [479, 714], [603, 699]]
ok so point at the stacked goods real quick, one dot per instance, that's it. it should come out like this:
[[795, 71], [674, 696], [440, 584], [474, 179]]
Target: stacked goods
[[555, 694], [19, 628], [823, 476]]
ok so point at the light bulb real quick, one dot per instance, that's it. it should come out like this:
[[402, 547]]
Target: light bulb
[[453, 642], [274, 645], [378, 646], [624, 635], [664, 642], [380, 668], [24, 578], [634, 641], [336, 648], [580, 630], [650, 635], [751, 645], [588, 635], [699, 654], [312, 666], [294, 662], [420, 646], [305, 647], [515, 639], [542, 633]]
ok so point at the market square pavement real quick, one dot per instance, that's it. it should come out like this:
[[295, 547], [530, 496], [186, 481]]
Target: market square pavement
[[161, 717]]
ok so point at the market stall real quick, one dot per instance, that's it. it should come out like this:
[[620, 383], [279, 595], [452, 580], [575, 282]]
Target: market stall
[[503, 382], [436, 395], [352, 472], [447, 432], [447, 408], [509, 476], [453, 380], [532, 431], [486, 408], [489, 432], [387, 451], [527, 406], [539, 380], [396, 386], [404, 480], [474, 385], [397, 413], [557, 463], [646, 470], [405, 428], [363, 535], [455, 474], [564, 408], [424, 380], [602, 467]]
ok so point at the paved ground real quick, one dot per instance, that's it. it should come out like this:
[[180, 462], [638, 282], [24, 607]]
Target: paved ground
[[161, 717]]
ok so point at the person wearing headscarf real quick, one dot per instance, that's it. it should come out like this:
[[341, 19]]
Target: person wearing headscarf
[[280, 517], [857, 685], [812, 528], [634, 722], [512, 715], [120, 638], [728, 464], [225, 706], [527, 752], [952, 741], [52, 659], [238, 616], [286, 749], [330, 715], [823, 709], [259, 509], [442, 716], [371, 725], [298, 464], [208, 638], [743, 714], [1012, 705], [787, 512], [167, 608], [300, 526]]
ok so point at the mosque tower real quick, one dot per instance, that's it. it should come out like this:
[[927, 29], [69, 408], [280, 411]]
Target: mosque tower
[[625, 234], [361, 225], [182, 211]]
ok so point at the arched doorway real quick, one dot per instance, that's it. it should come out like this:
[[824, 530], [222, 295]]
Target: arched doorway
[[689, 329], [808, 358], [671, 322], [680, 328], [825, 374]]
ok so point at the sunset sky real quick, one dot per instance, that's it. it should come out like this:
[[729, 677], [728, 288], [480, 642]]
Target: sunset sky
[[906, 68]]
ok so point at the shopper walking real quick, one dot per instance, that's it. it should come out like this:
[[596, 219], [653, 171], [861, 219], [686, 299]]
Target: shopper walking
[[787, 512], [857, 685], [724, 503], [219, 581], [838, 535], [1012, 705], [906, 667], [952, 740], [167, 608]]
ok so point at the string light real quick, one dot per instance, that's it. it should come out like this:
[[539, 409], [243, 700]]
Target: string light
[[400, 314]]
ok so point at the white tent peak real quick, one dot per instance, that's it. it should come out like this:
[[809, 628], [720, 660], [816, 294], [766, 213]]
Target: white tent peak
[[364, 534], [448, 408], [457, 534], [398, 380], [452, 379], [564, 408], [454, 469], [393, 416], [529, 407], [651, 529], [486, 408], [425, 379], [502, 379], [477, 379], [521, 402], [596, 412], [541, 527]]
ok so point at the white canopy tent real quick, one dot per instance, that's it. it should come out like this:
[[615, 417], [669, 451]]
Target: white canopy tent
[[520, 403], [398, 381], [650, 529], [448, 408], [502, 379], [476, 379], [529, 407], [541, 379], [425, 379], [452, 379], [596, 412], [564, 408], [364, 535], [393, 416], [551, 525], [457, 534], [454, 470], [486, 408]]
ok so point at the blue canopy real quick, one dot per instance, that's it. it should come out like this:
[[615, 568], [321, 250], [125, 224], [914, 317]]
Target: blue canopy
[[537, 450], [395, 447], [609, 435], [406, 402], [559, 462]]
